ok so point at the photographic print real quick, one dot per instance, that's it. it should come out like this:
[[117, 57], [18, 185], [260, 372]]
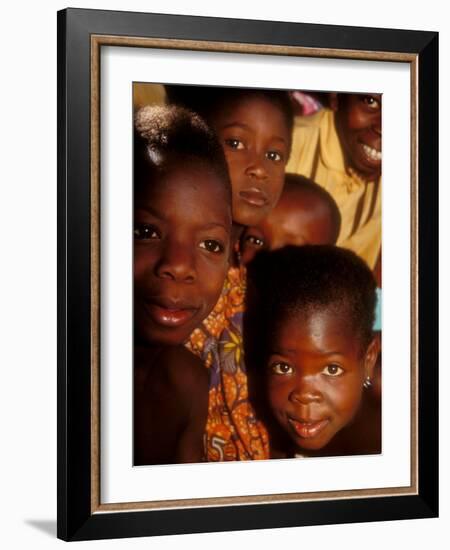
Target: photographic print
[[244, 308], [305, 171]]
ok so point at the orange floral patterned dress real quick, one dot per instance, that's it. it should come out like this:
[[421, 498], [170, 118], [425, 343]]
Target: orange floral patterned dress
[[232, 429]]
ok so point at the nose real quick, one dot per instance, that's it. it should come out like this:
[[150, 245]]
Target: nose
[[305, 392], [256, 166], [177, 262]]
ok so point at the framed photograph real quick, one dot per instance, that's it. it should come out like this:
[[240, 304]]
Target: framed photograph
[[149, 447]]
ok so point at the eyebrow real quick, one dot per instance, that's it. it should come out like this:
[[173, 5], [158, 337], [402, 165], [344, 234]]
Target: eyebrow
[[149, 210], [248, 128], [291, 351], [155, 214]]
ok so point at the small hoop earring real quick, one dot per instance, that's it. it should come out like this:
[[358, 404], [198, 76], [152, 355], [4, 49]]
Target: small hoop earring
[[367, 383]]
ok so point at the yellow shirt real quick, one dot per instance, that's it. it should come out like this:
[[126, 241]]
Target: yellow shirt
[[318, 155]]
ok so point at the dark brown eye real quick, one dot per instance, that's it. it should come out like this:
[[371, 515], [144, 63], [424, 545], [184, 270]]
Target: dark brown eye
[[143, 232], [333, 370], [275, 156], [254, 240], [371, 102], [280, 368], [234, 143], [211, 245]]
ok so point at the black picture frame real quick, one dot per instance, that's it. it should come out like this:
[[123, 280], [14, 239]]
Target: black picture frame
[[77, 518]]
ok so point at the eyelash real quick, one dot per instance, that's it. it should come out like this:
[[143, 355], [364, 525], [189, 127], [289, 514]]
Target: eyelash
[[275, 368], [255, 241], [279, 156], [145, 232], [335, 374], [216, 248], [371, 103], [238, 145], [283, 369], [234, 143]]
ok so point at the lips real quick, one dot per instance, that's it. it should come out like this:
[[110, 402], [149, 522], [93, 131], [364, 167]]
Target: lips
[[168, 312], [308, 429], [254, 197]]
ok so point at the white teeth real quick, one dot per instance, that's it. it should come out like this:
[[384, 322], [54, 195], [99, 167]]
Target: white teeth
[[371, 153]]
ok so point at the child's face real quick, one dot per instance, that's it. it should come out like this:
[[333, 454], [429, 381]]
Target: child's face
[[315, 375], [359, 126], [296, 220], [256, 142], [182, 226]]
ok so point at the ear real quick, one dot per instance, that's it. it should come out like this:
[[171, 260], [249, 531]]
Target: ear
[[333, 101], [370, 358]]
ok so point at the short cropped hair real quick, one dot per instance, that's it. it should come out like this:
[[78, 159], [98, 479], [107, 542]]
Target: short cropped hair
[[164, 134], [298, 183], [208, 100], [297, 281]]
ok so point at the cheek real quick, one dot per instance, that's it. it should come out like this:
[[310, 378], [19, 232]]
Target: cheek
[[236, 163], [357, 120], [212, 276], [248, 253], [345, 399], [277, 182], [144, 260], [278, 392]]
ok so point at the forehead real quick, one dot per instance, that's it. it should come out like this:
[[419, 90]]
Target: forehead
[[300, 200], [184, 173], [320, 330], [298, 210], [190, 183], [251, 108]]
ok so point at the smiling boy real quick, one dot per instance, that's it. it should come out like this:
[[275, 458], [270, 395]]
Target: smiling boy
[[340, 148]]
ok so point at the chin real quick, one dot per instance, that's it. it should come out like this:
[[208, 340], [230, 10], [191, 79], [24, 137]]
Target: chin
[[308, 445], [251, 217], [370, 171], [164, 337]]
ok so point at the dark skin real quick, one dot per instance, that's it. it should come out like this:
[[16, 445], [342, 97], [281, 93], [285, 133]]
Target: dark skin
[[256, 141], [299, 218], [182, 230], [170, 405], [181, 253], [315, 373], [358, 123]]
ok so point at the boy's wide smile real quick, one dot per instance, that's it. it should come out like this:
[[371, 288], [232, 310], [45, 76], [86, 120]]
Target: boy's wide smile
[[358, 121]]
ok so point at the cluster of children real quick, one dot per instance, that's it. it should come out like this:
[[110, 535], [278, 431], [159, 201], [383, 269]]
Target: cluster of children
[[254, 288]]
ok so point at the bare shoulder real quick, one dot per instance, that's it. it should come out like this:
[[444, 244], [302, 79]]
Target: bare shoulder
[[184, 370]]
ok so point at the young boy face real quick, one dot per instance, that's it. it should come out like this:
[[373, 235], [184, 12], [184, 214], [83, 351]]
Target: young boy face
[[358, 119], [297, 219], [182, 227], [315, 374], [256, 141]]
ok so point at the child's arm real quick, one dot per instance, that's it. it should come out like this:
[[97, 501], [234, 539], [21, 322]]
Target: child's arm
[[190, 381], [171, 406]]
